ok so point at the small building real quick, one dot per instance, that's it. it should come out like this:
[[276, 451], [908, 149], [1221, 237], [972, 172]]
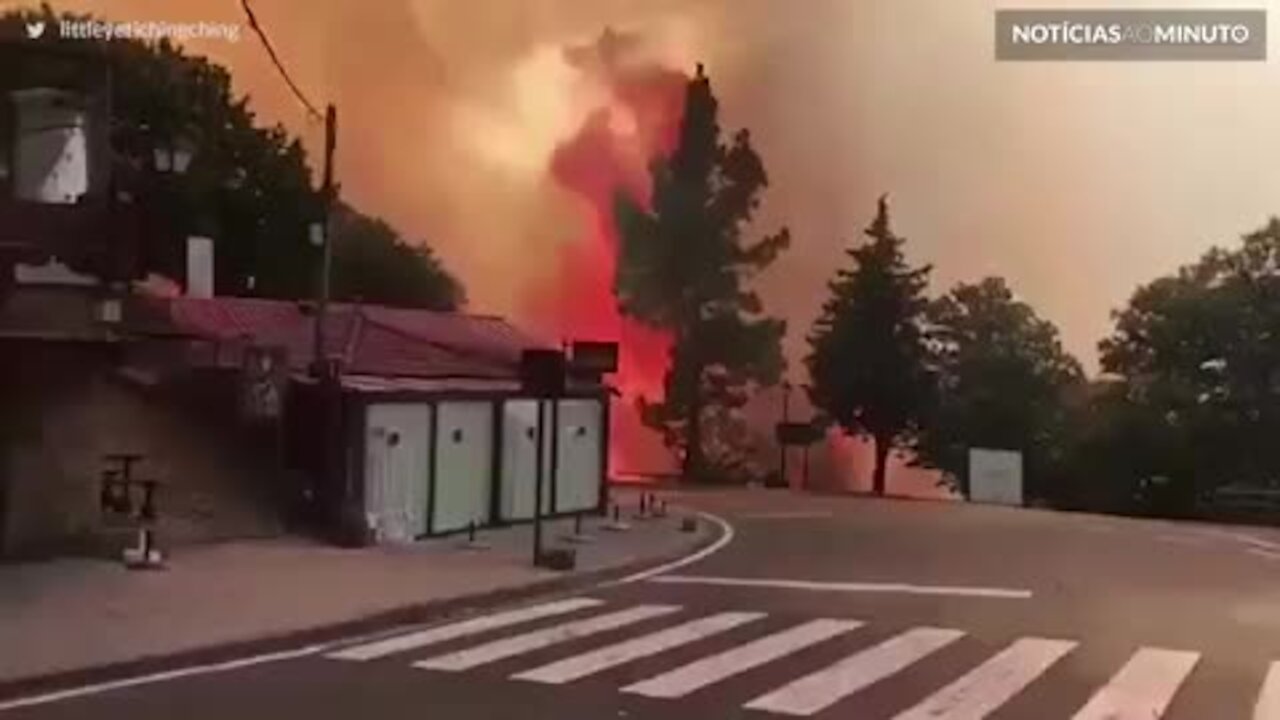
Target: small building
[[421, 428]]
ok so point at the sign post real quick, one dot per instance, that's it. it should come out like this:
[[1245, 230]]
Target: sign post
[[798, 434], [542, 374]]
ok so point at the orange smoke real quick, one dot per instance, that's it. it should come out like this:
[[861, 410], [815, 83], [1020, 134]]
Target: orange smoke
[[637, 120]]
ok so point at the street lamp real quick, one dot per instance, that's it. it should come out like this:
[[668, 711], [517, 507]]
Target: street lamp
[[172, 155], [175, 155]]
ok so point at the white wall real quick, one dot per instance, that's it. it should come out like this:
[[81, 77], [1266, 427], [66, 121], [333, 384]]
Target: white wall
[[199, 267]]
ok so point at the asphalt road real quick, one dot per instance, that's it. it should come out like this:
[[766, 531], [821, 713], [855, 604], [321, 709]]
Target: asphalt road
[[820, 607]]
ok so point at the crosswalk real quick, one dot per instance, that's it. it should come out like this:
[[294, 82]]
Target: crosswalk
[[1144, 686]]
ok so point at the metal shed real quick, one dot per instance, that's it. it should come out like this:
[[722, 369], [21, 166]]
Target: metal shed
[[420, 427], [437, 456]]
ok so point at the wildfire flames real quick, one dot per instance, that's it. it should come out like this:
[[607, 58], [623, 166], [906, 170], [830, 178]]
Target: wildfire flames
[[636, 119]]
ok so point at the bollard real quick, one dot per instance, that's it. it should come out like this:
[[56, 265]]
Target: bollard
[[473, 542], [617, 525], [578, 537], [658, 508]]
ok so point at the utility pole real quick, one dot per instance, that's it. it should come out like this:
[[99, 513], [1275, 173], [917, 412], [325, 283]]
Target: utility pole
[[326, 247], [538, 485], [782, 446]]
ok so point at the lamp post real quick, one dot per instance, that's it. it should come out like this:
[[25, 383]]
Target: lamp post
[[171, 158]]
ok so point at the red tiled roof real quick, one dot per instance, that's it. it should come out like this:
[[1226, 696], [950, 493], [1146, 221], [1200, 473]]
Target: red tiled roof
[[370, 340]]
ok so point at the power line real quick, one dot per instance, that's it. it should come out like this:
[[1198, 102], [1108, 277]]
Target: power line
[[275, 59]]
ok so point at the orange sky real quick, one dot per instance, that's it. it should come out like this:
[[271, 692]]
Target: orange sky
[[1076, 182]]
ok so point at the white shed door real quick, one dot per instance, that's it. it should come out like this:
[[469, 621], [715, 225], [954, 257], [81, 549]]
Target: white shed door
[[519, 460], [464, 462], [580, 468], [396, 470]]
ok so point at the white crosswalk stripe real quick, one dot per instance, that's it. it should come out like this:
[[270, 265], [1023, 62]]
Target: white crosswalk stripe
[[993, 683], [713, 669], [1143, 688], [528, 642], [1268, 707], [580, 666], [453, 631], [826, 687]]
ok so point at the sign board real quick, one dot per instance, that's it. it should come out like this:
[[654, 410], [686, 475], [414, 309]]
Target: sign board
[[593, 357], [995, 476], [542, 372], [797, 433]]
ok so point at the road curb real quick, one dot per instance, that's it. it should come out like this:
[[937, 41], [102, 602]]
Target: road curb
[[408, 615]]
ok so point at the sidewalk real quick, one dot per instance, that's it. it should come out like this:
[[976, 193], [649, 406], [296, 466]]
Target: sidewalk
[[62, 617]]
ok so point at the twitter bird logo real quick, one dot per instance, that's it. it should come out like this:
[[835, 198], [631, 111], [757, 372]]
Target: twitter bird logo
[[35, 30]]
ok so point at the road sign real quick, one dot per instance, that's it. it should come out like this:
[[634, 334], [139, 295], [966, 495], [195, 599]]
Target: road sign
[[797, 433]]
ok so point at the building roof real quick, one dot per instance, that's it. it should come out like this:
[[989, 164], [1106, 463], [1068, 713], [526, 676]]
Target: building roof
[[368, 340]]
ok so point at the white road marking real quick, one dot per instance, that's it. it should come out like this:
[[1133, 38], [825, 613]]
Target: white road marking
[[991, 684], [1268, 707], [589, 663], [788, 515], [849, 587], [1256, 541], [726, 537], [452, 631], [709, 670], [158, 677], [1240, 537], [530, 641], [824, 688], [1183, 540], [1143, 688]]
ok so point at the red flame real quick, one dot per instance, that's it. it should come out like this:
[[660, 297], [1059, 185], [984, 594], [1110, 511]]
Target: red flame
[[611, 153]]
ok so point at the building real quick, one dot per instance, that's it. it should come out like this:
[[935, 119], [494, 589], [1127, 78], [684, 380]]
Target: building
[[417, 426]]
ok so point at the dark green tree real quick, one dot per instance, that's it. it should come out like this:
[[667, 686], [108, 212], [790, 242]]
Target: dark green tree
[[249, 187], [1198, 353], [1002, 378], [371, 261], [868, 364], [684, 267]]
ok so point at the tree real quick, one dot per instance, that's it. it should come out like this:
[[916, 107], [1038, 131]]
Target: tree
[[868, 361], [1001, 376], [684, 267], [1197, 354], [249, 187], [371, 261]]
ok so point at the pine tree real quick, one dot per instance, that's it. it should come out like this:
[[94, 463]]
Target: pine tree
[[868, 362], [684, 267]]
